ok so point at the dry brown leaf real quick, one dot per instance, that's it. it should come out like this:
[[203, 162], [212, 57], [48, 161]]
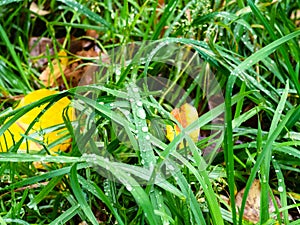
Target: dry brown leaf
[[252, 207], [37, 48], [295, 16], [36, 9]]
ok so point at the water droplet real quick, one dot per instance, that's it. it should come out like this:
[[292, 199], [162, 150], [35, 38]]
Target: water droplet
[[128, 187], [276, 171], [143, 161], [147, 137], [139, 103], [145, 129], [170, 167], [280, 180], [141, 113], [135, 89], [118, 72], [280, 189], [112, 104]]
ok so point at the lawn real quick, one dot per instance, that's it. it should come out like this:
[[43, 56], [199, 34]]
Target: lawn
[[149, 112]]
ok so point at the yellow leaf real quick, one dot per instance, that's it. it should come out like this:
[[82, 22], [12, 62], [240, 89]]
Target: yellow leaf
[[54, 70], [51, 117], [185, 115]]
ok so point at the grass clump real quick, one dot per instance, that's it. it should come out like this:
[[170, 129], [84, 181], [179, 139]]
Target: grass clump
[[237, 63]]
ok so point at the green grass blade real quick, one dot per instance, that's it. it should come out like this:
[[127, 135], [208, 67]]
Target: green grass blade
[[169, 10], [282, 190], [43, 194], [80, 195], [16, 59], [96, 191], [77, 7], [266, 150], [265, 168], [6, 2], [66, 216], [294, 76], [228, 145]]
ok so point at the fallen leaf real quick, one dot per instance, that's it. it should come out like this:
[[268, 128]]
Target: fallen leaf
[[41, 130], [55, 69], [252, 207], [36, 9], [185, 115]]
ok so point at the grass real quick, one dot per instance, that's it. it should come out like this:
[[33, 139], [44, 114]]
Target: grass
[[237, 62]]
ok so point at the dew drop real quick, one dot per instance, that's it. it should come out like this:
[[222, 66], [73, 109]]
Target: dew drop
[[170, 167], [141, 113], [276, 171], [145, 129], [129, 188], [139, 103], [147, 137], [280, 189], [135, 89], [118, 72]]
